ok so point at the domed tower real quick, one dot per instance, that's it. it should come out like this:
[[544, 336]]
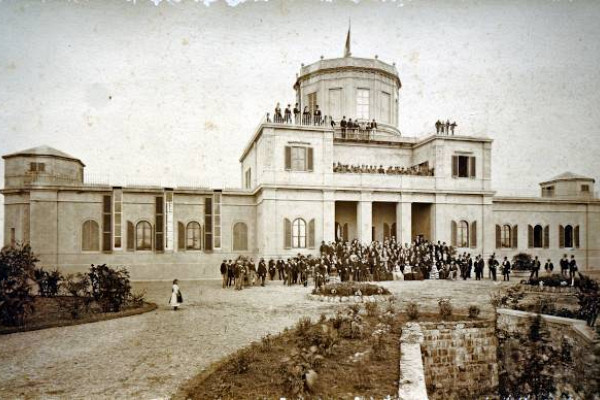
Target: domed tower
[[357, 88]]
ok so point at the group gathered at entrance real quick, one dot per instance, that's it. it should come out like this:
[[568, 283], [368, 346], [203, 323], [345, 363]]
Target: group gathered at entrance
[[388, 260]]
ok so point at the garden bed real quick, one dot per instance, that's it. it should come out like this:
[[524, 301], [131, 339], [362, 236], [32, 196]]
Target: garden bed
[[352, 354], [346, 289], [52, 312]]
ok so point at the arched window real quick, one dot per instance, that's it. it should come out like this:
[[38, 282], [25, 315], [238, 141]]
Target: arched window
[[240, 237], [91, 236], [538, 235], [193, 236], [462, 234], [299, 233], [143, 236], [569, 236], [506, 236]]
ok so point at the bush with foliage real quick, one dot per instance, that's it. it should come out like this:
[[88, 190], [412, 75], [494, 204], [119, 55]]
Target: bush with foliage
[[554, 280], [351, 289], [445, 308], [589, 300], [17, 266], [412, 310], [110, 287], [521, 262], [48, 281], [474, 312]]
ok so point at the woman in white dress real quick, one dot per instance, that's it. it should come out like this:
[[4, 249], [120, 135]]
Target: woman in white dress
[[176, 297]]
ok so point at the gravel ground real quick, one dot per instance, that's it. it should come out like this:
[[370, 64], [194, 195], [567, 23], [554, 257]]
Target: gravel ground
[[148, 356]]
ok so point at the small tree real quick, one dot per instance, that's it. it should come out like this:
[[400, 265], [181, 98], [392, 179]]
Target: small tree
[[17, 265], [110, 287], [521, 261]]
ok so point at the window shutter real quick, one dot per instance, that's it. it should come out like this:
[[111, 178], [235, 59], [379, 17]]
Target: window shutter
[[530, 237], [311, 234], [577, 236], [386, 231], [345, 232], [515, 237], [287, 230], [453, 233], [561, 236], [180, 236], [288, 157], [472, 169], [498, 236], [454, 166], [130, 242], [546, 237], [309, 158], [474, 234]]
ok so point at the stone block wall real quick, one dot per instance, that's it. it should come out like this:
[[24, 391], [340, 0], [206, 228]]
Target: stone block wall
[[576, 369], [460, 359]]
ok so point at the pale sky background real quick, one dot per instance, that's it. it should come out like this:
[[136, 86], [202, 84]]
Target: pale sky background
[[173, 92]]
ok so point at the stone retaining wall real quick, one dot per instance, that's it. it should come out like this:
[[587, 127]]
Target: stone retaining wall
[[460, 359], [577, 370]]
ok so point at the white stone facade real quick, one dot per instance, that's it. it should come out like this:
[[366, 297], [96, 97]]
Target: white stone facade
[[291, 199]]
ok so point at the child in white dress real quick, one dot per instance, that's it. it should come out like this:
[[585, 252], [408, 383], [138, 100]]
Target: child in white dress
[[176, 297]]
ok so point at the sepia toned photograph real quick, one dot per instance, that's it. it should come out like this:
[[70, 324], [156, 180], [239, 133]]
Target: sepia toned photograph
[[300, 199]]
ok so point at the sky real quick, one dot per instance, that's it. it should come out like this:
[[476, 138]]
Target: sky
[[171, 93]]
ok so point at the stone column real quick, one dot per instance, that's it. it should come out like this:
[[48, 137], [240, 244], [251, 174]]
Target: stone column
[[404, 221], [364, 219], [328, 234]]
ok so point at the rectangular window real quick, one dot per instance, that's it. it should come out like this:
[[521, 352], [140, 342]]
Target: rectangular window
[[169, 220], [37, 167], [548, 191], [463, 167], [248, 178], [298, 158], [362, 103], [386, 99], [335, 103], [217, 220], [208, 224], [585, 188], [312, 102], [106, 223], [159, 230], [118, 217]]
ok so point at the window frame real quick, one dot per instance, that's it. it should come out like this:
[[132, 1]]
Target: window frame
[[240, 237], [144, 233], [299, 234], [95, 240], [462, 234], [363, 103], [506, 239], [194, 227]]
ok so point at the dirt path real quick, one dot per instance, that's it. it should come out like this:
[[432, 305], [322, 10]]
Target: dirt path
[[148, 356]]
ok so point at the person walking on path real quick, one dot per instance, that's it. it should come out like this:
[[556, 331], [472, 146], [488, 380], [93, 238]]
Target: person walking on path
[[176, 297]]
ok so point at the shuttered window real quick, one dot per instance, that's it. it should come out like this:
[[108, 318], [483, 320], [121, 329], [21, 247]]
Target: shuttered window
[[180, 236], [193, 236], [208, 224], [311, 234], [299, 233], [159, 223], [577, 236], [287, 233], [561, 236], [453, 229], [515, 237], [143, 236], [130, 236], [299, 158], [546, 237], [498, 237], [91, 236], [464, 167], [474, 234], [106, 223]]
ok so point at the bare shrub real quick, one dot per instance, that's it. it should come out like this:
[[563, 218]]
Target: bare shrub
[[372, 309], [474, 312]]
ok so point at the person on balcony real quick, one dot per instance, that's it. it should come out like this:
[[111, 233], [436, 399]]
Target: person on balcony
[[452, 126], [351, 126], [438, 126], [343, 125], [296, 114], [288, 115], [373, 125], [317, 115], [306, 116], [332, 122], [277, 117]]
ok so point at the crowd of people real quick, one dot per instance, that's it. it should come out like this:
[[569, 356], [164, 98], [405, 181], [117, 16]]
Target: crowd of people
[[343, 261], [445, 128], [391, 170], [293, 115]]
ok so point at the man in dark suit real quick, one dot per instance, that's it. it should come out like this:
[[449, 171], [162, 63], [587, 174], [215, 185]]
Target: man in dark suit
[[296, 114], [549, 267], [224, 273], [535, 267], [506, 269], [564, 265], [343, 125], [262, 271], [287, 115], [572, 269], [317, 115], [492, 264]]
